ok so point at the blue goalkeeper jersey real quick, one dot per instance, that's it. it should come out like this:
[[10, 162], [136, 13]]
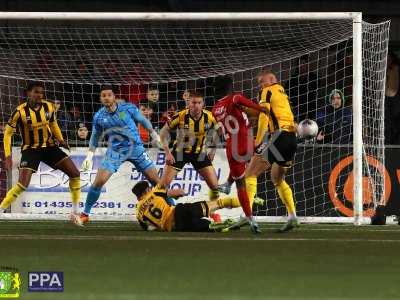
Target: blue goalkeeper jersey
[[118, 127]]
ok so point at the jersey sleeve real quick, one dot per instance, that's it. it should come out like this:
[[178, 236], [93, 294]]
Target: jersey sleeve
[[263, 118], [55, 129], [14, 118], [174, 121], [138, 117], [52, 111], [242, 100], [96, 132]]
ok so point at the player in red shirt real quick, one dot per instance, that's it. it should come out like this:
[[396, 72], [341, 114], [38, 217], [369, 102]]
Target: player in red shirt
[[230, 113]]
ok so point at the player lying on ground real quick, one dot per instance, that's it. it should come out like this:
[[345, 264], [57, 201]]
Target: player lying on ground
[[154, 213], [275, 143], [193, 126], [41, 138], [232, 118], [117, 122]]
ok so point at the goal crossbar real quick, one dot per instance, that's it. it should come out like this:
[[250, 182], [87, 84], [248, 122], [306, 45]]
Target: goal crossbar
[[145, 16]]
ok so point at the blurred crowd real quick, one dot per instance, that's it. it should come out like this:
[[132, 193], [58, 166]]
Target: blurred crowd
[[325, 98]]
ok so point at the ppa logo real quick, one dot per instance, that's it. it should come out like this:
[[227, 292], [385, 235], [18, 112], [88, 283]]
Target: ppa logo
[[46, 282]]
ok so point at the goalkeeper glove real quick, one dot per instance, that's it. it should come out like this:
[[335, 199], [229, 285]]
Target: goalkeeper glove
[[156, 140], [87, 164]]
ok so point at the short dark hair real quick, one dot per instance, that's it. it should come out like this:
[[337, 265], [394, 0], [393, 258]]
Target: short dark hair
[[139, 189], [196, 94], [223, 86], [147, 103], [107, 87], [33, 84]]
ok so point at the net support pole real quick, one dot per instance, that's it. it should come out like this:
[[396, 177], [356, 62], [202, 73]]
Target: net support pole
[[357, 119]]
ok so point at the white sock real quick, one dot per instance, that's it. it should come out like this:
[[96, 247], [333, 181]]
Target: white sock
[[292, 216]]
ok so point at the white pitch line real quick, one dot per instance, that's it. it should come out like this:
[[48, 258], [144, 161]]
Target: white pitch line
[[180, 238]]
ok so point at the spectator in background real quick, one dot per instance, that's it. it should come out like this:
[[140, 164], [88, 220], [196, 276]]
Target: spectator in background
[[81, 138], [153, 101], [153, 95], [392, 100], [302, 90], [63, 117], [183, 101], [147, 111], [165, 116], [76, 118], [75, 113], [186, 97], [335, 120]]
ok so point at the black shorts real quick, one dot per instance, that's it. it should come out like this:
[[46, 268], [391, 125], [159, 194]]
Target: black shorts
[[198, 161], [190, 217], [281, 149], [51, 156]]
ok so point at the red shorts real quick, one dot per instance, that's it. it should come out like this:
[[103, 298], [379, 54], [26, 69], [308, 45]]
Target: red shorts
[[239, 154]]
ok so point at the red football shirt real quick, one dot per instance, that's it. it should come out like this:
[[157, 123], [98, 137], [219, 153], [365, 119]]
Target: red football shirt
[[230, 115]]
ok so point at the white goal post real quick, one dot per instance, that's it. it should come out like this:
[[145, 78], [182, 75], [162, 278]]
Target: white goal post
[[260, 18]]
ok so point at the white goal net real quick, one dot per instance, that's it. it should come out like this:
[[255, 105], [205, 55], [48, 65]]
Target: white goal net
[[155, 64]]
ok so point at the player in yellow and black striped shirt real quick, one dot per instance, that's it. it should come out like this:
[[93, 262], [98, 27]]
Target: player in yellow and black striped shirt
[[154, 213], [195, 127], [36, 122], [275, 144]]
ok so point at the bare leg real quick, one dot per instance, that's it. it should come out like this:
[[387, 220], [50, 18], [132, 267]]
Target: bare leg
[[102, 177], [209, 175], [25, 176], [168, 175], [68, 167], [257, 166]]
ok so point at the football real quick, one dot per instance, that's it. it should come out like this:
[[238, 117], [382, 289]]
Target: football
[[307, 129]]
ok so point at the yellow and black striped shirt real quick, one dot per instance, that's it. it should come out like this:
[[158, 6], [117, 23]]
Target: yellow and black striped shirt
[[153, 210], [277, 101], [191, 134], [38, 127]]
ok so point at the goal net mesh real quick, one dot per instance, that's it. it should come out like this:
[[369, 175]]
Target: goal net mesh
[[156, 64]]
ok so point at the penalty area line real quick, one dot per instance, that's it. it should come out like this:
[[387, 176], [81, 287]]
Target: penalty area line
[[220, 237]]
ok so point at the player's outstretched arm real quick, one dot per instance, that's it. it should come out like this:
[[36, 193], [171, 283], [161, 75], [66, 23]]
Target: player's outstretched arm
[[164, 137], [138, 117], [87, 164], [242, 100], [8, 133], [56, 131]]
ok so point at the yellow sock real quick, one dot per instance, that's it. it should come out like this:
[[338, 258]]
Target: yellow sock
[[12, 195], [228, 202], [286, 195], [75, 190], [251, 188], [213, 194]]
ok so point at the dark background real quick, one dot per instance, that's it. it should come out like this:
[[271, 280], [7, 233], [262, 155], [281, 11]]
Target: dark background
[[373, 10]]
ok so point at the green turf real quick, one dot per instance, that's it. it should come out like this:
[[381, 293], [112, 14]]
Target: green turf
[[118, 261]]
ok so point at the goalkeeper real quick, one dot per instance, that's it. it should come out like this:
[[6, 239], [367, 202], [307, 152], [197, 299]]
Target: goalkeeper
[[117, 122], [154, 213]]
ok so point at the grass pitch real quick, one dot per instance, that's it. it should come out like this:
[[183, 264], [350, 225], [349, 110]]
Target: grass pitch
[[119, 261]]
